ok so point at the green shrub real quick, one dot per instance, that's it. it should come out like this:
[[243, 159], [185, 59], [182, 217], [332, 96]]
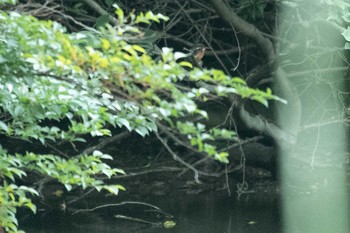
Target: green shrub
[[93, 80]]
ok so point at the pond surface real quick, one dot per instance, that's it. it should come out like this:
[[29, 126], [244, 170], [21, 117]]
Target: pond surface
[[213, 212]]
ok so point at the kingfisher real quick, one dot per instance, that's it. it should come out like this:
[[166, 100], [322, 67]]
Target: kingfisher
[[197, 55]]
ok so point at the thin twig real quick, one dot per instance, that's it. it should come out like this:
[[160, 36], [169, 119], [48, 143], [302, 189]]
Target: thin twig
[[148, 171], [158, 224], [177, 158], [174, 138], [120, 204], [57, 150], [227, 181], [80, 197], [243, 142]]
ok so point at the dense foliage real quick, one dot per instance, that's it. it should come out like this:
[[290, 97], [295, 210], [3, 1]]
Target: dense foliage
[[101, 75], [57, 87]]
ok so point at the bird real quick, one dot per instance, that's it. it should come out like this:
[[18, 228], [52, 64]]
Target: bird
[[197, 55]]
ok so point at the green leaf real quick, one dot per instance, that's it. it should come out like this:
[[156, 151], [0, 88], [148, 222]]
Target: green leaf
[[139, 49], [143, 131], [119, 12], [186, 64], [97, 153], [31, 206], [18, 111], [120, 171], [68, 187], [162, 17], [261, 100], [239, 80], [124, 122], [114, 189], [4, 126]]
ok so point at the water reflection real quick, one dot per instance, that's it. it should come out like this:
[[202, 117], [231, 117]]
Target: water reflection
[[212, 213]]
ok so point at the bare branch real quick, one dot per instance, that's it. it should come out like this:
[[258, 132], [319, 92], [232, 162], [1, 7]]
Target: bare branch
[[242, 26], [177, 158]]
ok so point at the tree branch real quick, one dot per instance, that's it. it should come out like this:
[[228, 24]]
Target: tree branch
[[227, 13], [101, 11]]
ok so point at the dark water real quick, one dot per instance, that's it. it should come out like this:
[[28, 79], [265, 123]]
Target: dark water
[[202, 213]]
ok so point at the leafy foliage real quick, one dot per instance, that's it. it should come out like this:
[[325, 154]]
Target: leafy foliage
[[93, 80], [76, 171], [8, 2]]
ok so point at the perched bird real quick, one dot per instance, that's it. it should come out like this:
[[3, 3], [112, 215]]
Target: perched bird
[[197, 55]]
